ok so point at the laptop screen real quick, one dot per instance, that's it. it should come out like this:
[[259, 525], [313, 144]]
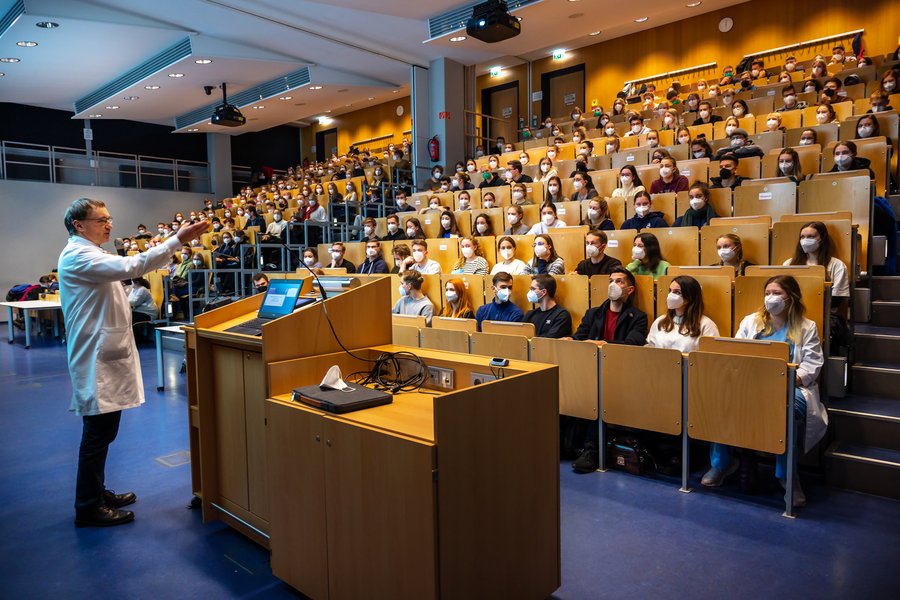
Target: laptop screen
[[280, 298]]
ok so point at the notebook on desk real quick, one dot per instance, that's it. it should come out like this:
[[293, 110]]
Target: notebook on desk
[[281, 299], [338, 401]]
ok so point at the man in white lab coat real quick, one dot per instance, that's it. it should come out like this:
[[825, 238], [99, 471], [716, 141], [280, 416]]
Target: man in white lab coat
[[103, 361]]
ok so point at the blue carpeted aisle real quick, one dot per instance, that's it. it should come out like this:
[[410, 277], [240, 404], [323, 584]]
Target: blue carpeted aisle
[[621, 535]]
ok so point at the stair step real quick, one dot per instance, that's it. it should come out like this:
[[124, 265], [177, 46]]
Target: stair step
[[866, 420], [868, 328], [879, 380], [877, 348], [886, 313], [862, 468], [885, 288]]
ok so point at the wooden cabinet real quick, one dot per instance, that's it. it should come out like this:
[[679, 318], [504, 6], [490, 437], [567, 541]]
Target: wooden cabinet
[[349, 505]]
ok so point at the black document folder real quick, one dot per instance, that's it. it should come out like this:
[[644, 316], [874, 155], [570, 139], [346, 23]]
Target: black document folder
[[337, 401]]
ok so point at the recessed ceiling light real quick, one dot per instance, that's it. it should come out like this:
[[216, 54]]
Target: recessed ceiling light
[[315, 87], [202, 61], [259, 106], [458, 38], [131, 98], [641, 20], [94, 116], [695, 4], [176, 75], [285, 97], [7, 59], [113, 107], [396, 91], [151, 87], [595, 33], [192, 130], [47, 25], [371, 97], [327, 111], [26, 44]]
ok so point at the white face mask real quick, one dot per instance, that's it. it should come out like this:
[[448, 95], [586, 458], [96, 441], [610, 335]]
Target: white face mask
[[418, 256], [335, 255], [864, 131], [463, 204], [889, 86], [668, 121], [684, 140], [843, 160], [548, 219], [821, 118], [692, 103], [367, 230], [577, 139], [470, 168], [481, 228], [493, 164], [577, 184], [786, 167], [704, 114], [610, 148], [503, 294], [653, 143], [277, 218], [435, 206], [545, 167], [674, 301], [553, 189], [726, 254], [445, 187], [636, 128], [523, 160], [736, 142], [392, 227], [451, 296], [507, 175], [518, 196], [610, 131], [697, 203], [591, 251], [806, 141], [790, 100], [637, 253], [410, 232], [551, 154], [699, 154], [488, 204], [541, 251], [614, 291], [772, 123], [371, 252], [445, 223], [507, 253], [809, 245], [593, 214], [626, 180], [665, 172], [642, 210], [774, 305], [467, 251], [512, 219]]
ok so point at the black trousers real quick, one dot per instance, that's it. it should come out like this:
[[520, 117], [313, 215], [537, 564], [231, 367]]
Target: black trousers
[[98, 433]]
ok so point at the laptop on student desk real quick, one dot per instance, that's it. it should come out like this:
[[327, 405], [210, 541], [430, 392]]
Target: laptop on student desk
[[280, 300]]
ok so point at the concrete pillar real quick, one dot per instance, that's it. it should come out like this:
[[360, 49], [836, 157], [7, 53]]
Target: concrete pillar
[[438, 103], [218, 155]]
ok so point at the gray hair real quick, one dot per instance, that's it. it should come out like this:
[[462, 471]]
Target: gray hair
[[78, 211]]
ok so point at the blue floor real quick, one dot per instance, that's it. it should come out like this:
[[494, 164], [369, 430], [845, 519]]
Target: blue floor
[[622, 536]]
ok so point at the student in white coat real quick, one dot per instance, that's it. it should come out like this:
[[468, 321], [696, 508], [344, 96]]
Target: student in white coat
[[103, 361], [781, 320]]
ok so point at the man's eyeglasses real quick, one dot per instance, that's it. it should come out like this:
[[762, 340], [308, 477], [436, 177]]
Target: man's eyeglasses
[[101, 220]]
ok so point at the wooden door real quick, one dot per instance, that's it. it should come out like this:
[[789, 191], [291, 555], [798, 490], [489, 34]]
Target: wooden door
[[503, 104], [566, 93]]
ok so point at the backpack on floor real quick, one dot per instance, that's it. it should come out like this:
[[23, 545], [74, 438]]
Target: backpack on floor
[[631, 455], [22, 292]]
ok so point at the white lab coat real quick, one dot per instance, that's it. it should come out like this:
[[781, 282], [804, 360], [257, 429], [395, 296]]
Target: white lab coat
[[103, 361], [809, 360]]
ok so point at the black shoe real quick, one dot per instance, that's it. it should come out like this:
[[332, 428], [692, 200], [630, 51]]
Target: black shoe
[[114, 500], [588, 462], [103, 516]]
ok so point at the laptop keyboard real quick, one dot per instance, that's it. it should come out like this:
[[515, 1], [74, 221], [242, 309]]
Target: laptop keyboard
[[251, 327]]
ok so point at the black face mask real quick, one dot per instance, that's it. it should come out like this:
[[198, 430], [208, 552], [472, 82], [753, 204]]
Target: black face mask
[[829, 92], [261, 289], [726, 173], [745, 83]]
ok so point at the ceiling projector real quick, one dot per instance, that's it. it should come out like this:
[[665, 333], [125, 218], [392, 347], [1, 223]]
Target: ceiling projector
[[491, 22], [226, 114]]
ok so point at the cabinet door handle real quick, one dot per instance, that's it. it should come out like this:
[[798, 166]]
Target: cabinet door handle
[[318, 438], [328, 443]]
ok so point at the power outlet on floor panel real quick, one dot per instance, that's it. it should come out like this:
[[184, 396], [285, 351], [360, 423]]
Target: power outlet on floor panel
[[439, 378], [479, 378]]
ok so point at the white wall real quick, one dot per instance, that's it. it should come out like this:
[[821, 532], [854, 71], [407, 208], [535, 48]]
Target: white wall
[[32, 233]]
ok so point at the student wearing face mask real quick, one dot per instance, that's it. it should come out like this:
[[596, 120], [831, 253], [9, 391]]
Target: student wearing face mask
[[584, 187], [789, 98], [519, 195], [547, 169], [888, 83], [337, 258], [374, 262], [700, 211], [514, 168], [394, 230], [788, 165], [448, 227], [780, 319], [549, 220], [501, 308], [612, 144], [705, 115], [471, 258], [808, 137], [457, 305], [773, 123], [618, 107], [351, 197], [434, 205], [731, 253], [413, 229], [741, 146], [489, 176], [260, 283], [434, 184], [254, 220], [311, 257], [637, 126], [692, 103], [825, 114], [412, 300], [683, 136], [545, 259], [368, 230], [616, 321], [597, 215], [597, 261], [419, 260], [514, 218], [399, 253], [508, 262], [728, 177], [845, 159], [683, 323], [878, 102], [814, 248], [401, 203], [670, 180], [464, 201], [226, 256], [867, 127], [647, 258], [483, 227], [653, 138], [838, 57], [488, 200], [549, 318], [700, 148], [630, 184], [644, 215]]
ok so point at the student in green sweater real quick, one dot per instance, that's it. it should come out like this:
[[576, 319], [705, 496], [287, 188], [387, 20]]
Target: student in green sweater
[[648, 259]]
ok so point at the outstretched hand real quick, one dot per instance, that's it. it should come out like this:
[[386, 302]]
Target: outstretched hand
[[192, 232]]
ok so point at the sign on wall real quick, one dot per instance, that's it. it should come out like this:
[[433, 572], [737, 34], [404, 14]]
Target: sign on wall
[[569, 99], [506, 112]]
